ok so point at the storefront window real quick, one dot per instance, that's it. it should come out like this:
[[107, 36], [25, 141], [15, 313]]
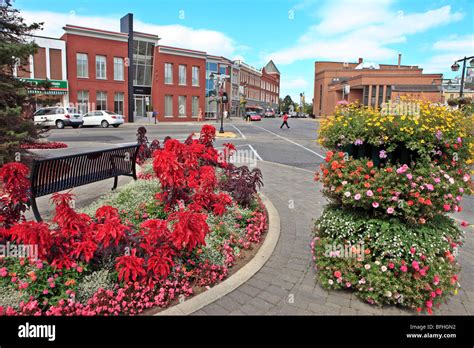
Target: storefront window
[[101, 102], [118, 103], [83, 101]]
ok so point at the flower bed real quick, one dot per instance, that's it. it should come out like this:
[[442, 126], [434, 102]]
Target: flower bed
[[44, 146], [390, 180], [180, 227]]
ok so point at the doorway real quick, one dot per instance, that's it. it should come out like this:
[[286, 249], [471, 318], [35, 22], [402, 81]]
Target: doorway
[[140, 105]]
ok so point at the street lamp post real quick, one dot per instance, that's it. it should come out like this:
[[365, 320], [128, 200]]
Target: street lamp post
[[219, 98], [455, 67]]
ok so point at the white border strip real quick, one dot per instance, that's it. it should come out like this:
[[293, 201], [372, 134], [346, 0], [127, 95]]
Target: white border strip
[[241, 276], [238, 130], [255, 152]]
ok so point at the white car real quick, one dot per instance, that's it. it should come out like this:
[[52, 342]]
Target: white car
[[103, 118], [58, 116]]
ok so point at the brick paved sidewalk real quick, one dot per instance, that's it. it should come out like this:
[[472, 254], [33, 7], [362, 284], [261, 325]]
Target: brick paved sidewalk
[[286, 284]]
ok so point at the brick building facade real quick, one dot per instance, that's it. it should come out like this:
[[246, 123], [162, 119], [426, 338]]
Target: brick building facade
[[370, 84], [130, 73]]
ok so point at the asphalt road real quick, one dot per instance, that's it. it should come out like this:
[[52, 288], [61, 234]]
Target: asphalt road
[[262, 140]]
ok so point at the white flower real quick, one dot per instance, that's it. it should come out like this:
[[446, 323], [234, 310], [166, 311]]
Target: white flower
[[377, 262], [344, 182], [388, 294], [347, 194], [451, 181], [330, 282], [384, 269], [367, 266]]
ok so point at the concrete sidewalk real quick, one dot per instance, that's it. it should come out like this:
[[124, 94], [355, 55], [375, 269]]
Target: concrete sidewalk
[[287, 284]]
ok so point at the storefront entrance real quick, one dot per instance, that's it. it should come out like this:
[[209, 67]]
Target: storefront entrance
[[140, 105]]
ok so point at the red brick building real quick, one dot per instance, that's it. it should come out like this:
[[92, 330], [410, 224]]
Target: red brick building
[[370, 84], [96, 69], [128, 72], [179, 83]]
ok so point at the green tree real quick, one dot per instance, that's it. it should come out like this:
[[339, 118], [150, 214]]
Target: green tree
[[16, 124], [287, 101]]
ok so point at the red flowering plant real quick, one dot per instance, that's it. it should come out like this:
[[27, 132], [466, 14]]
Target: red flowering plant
[[14, 192], [416, 194], [44, 146]]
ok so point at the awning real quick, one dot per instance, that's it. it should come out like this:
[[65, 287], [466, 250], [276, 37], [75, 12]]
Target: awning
[[47, 92]]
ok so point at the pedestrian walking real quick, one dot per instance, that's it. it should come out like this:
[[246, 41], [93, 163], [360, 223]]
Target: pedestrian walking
[[285, 121], [200, 115]]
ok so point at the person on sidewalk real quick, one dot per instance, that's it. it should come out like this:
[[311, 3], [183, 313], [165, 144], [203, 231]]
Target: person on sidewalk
[[285, 121], [200, 115]]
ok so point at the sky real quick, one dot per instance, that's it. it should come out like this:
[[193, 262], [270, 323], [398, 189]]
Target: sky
[[293, 33]]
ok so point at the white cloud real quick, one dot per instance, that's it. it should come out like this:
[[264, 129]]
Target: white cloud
[[294, 83], [211, 41], [350, 29], [449, 50]]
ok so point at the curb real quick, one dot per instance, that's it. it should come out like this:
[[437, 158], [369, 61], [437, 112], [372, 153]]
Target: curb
[[241, 276]]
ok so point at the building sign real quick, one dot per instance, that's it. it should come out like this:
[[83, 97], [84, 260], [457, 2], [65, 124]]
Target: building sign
[[141, 90], [57, 87]]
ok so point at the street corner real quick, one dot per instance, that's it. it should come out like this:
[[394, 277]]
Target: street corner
[[230, 135]]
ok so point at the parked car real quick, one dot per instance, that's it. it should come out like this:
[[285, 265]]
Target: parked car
[[254, 116], [103, 118], [269, 113], [58, 116]]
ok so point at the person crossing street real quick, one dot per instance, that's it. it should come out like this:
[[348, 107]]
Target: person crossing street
[[285, 121]]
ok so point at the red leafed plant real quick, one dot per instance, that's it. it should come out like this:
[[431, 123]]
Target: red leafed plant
[[109, 230], [208, 135], [14, 192], [130, 267], [189, 229], [33, 233]]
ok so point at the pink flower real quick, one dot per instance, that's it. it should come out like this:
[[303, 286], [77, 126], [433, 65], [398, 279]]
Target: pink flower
[[437, 180], [459, 198], [422, 272], [404, 268], [391, 265], [447, 207], [51, 285], [439, 291], [390, 210], [429, 187], [45, 291], [433, 294], [415, 265], [370, 193], [337, 274], [402, 169], [429, 304], [357, 196], [348, 285], [375, 205], [412, 251], [409, 176], [436, 280]]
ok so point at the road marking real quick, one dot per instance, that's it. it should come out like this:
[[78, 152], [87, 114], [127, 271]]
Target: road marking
[[238, 130], [255, 152], [291, 141]]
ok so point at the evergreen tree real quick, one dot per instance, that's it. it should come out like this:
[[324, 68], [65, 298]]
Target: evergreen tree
[[16, 123]]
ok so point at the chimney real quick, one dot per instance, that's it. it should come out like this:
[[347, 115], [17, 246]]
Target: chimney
[[399, 60], [361, 60]]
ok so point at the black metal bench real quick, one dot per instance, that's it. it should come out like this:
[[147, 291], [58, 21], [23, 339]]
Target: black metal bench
[[50, 175]]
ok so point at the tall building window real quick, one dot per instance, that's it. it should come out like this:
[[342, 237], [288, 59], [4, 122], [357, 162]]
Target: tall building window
[[100, 67], [118, 103], [195, 111], [372, 95], [182, 105], [380, 96], [118, 69], [182, 75], [101, 101], [83, 101], [169, 73], [388, 93], [82, 65], [143, 62], [195, 81], [168, 105], [365, 96]]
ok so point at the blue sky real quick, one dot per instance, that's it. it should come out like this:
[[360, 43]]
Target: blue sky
[[294, 33]]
